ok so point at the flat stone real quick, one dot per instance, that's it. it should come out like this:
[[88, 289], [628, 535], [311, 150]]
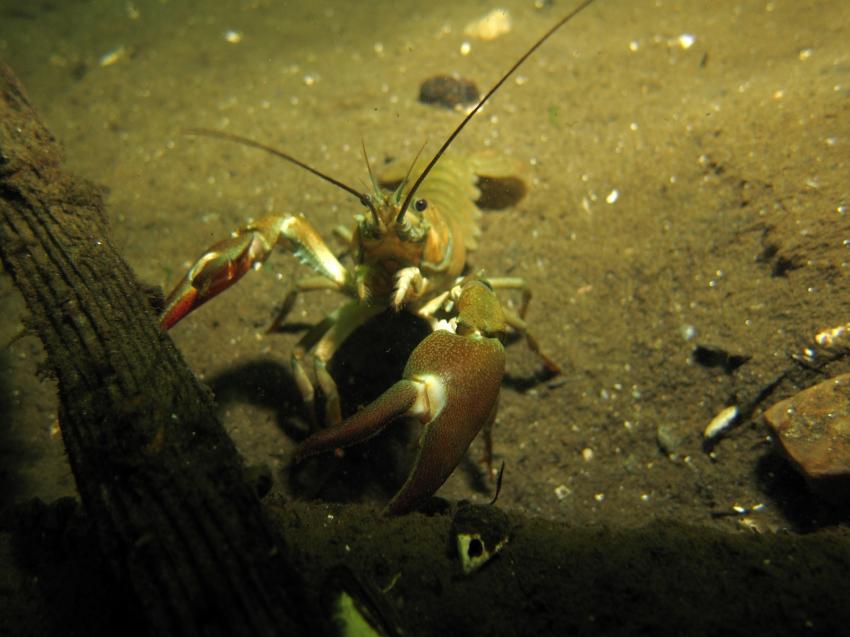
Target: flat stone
[[813, 430]]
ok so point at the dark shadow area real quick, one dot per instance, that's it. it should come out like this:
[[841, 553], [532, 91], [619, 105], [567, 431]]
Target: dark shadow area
[[55, 557], [373, 358], [371, 472], [366, 364], [665, 578], [8, 451], [265, 383], [525, 382], [530, 374], [717, 357], [788, 491], [475, 474], [16, 452]]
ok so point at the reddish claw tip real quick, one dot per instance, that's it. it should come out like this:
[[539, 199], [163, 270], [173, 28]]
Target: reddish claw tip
[[178, 308]]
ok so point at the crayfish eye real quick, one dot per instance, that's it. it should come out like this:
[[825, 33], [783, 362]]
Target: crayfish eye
[[420, 205]]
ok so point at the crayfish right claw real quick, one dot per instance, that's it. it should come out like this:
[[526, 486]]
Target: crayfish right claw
[[451, 386]]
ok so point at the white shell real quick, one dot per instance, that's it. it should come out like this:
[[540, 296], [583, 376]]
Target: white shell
[[491, 26], [720, 422]]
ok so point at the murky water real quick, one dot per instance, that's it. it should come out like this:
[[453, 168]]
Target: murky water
[[667, 145]]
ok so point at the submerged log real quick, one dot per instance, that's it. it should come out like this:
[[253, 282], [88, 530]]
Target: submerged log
[[159, 477]]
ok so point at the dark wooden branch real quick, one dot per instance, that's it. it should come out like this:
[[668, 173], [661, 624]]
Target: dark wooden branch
[[159, 477]]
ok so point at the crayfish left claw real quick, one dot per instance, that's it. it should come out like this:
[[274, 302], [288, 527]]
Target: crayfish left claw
[[451, 385], [227, 261], [216, 270]]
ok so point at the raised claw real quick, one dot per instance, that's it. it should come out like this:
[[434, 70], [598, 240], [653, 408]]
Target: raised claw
[[216, 270], [450, 385], [227, 261]]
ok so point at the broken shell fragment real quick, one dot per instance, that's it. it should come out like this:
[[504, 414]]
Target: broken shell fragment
[[115, 55], [721, 422], [480, 532]]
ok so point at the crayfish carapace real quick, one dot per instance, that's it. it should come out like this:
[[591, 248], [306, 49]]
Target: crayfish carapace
[[409, 252]]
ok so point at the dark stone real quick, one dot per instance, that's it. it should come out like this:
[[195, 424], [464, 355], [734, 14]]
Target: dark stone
[[448, 91]]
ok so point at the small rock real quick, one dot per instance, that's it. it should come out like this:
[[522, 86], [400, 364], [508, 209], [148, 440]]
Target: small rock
[[670, 440], [813, 430], [448, 91]]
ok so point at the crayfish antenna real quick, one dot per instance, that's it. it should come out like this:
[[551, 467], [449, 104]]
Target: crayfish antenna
[[483, 101], [363, 198], [403, 183]]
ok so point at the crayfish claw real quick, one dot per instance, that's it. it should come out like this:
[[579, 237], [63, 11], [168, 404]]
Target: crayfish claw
[[364, 424], [450, 386], [216, 270]]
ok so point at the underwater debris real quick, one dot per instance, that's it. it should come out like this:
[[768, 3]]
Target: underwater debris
[[448, 91], [721, 422], [355, 607], [562, 491], [480, 532], [834, 338], [491, 26], [233, 36], [115, 55]]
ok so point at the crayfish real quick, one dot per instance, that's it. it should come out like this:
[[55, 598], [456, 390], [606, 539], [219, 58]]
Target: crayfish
[[409, 252]]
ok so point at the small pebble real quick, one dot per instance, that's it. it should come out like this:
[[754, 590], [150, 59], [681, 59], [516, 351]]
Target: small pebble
[[670, 440], [562, 491], [448, 91]]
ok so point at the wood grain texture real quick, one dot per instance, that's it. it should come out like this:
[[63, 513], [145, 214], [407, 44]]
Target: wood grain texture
[[158, 475]]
